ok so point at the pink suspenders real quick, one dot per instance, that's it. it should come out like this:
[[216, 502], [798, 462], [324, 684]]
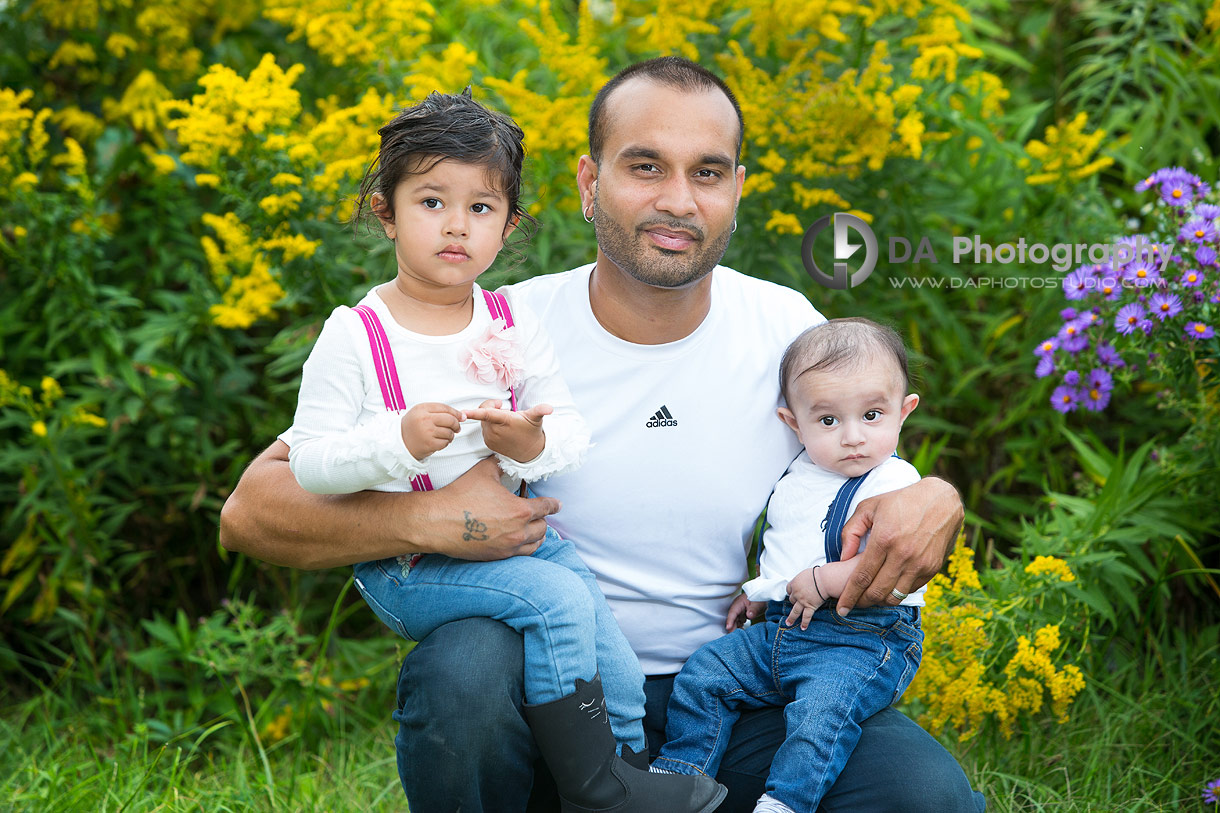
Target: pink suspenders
[[387, 372]]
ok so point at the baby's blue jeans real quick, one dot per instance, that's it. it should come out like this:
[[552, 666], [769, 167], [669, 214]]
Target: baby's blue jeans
[[550, 597], [828, 678]]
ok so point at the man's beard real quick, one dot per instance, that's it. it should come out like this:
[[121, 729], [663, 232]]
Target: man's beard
[[651, 264]]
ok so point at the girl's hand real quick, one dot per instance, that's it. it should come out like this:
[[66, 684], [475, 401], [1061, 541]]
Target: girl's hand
[[428, 428], [741, 609], [516, 435]]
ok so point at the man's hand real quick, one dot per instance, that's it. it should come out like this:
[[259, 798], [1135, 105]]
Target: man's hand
[[270, 517], [740, 610], [912, 531], [516, 435], [486, 521], [430, 427]]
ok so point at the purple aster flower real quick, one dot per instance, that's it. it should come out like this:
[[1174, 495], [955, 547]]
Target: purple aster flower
[[1071, 378], [1207, 211], [1046, 366], [1198, 297], [1072, 338], [1177, 193], [1094, 399], [1215, 300], [1211, 792], [1191, 278], [1147, 183], [1110, 287], [1128, 318], [1205, 255], [1067, 314], [1046, 347], [1142, 274], [1198, 330], [1076, 285], [1146, 326], [1109, 356], [1166, 306], [1197, 230], [1064, 399], [1088, 319], [1100, 379]]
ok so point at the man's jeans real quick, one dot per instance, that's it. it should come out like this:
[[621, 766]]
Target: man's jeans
[[550, 597], [463, 745], [828, 678]]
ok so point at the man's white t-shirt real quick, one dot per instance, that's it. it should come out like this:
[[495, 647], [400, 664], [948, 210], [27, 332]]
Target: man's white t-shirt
[[687, 448]]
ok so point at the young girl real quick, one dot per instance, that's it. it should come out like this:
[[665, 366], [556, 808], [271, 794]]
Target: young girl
[[427, 375]]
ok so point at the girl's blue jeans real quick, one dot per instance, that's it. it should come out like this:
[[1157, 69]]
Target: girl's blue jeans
[[550, 597], [828, 678]]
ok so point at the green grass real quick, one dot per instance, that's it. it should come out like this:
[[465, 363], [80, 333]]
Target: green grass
[[50, 764], [1142, 738]]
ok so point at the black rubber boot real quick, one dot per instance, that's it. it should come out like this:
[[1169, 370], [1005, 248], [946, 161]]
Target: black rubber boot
[[573, 734]]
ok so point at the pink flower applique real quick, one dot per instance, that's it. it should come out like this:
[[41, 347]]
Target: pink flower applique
[[494, 357]]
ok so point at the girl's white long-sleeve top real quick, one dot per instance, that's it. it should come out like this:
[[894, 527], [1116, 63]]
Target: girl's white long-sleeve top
[[344, 439]]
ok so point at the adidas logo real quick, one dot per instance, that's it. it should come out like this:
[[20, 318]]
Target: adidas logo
[[662, 418]]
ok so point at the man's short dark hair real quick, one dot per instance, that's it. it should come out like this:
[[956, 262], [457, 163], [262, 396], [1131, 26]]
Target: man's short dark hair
[[673, 71]]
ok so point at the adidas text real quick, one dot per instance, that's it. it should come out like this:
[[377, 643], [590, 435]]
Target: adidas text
[[662, 418]]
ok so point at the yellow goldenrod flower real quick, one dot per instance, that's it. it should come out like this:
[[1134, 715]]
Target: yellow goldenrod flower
[[292, 246], [207, 179], [25, 180], [248, 298], [448, 73], [20, 232], [72, 53], [36, 149], [82, 126], [83, 417], [1066, 155], [143, 105], [161, 163], [784, 223], [1052, 566], [39, 429], [217, 121], [285, 179], [277, 205], [51, 390], [120, 44], [72, 159], [356, 31]]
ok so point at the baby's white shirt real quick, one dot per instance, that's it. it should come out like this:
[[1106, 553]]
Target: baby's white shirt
[[795, 540]]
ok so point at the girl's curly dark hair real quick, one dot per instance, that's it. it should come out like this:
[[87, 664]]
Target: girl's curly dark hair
[[449, 126]]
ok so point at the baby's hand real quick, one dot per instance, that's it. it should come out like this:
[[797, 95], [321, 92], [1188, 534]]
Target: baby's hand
[[808, 592], [428, 428], [741, 609], [805, 596], [516, 435]]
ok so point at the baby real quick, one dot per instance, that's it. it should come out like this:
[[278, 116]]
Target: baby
[[846, 385]]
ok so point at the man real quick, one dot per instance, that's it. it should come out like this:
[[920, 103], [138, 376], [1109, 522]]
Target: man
[[674, 365]]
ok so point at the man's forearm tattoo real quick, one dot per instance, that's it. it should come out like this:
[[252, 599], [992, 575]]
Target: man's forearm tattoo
[[475, 531]]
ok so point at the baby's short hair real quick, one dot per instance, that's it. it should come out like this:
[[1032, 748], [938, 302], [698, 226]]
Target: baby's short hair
[[838, 344]]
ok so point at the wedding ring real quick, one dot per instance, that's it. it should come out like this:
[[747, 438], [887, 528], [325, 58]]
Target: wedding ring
[[898, 594]]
